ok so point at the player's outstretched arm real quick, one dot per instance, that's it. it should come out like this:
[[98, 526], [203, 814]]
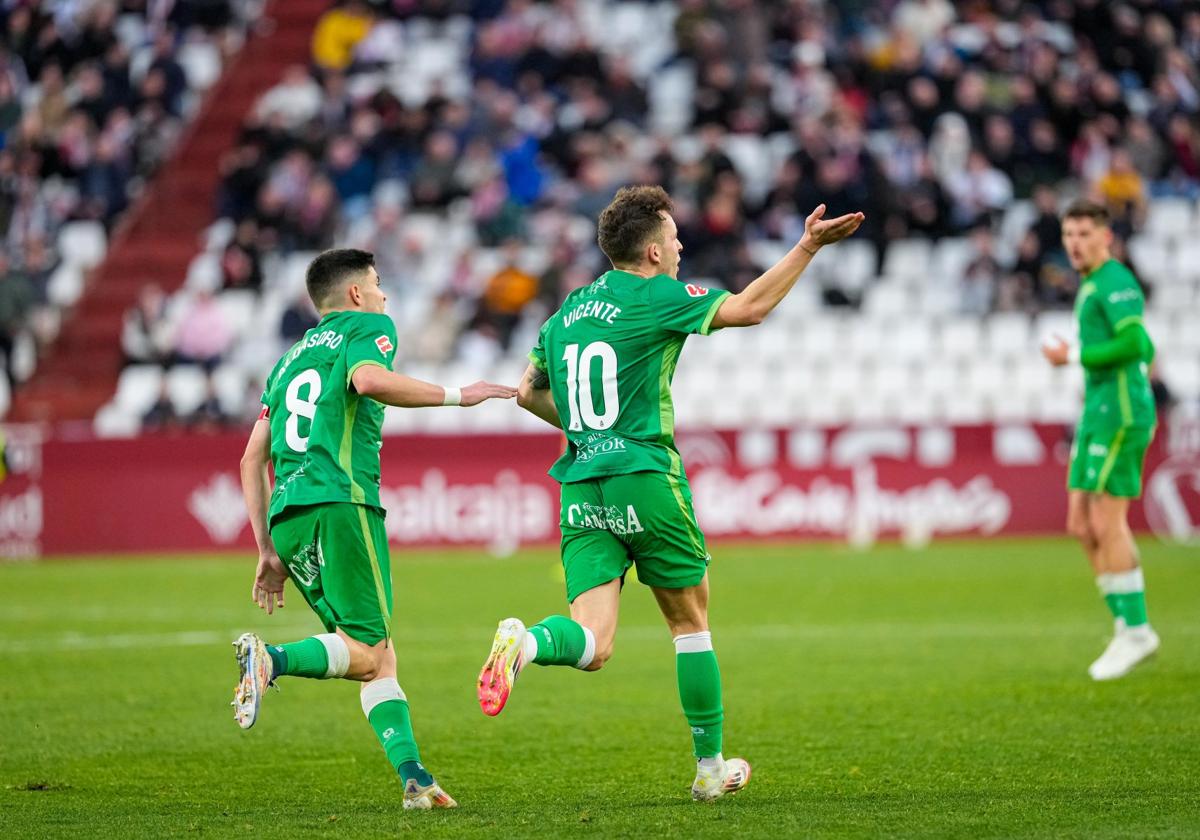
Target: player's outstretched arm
[[751, 305], [270, 575], [533, 395], [391, 388]]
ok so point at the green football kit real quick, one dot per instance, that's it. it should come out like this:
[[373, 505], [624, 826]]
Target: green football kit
[[610, 354], [1118, 419], [325, 518]]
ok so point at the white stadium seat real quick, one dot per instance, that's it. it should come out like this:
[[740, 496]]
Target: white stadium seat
[[138, 387], [82, 244], [187, 386], [1170, 218]]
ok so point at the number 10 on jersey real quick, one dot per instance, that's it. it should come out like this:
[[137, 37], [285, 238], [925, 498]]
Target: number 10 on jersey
[[580, 384]]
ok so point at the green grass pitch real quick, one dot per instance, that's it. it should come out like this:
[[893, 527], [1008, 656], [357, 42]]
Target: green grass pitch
[[888, 693]]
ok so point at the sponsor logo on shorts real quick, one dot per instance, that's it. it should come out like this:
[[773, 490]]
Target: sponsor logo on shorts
[[605, 518], [307, 563], [1097, 450]]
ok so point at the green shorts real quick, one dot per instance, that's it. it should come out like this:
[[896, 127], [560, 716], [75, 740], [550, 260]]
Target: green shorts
[[337, 555], [643, 519], [1108, 460]]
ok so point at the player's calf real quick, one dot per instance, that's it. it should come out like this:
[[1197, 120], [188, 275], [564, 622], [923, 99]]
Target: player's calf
[[386, 708]]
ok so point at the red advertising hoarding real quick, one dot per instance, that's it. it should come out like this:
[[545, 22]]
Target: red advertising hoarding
[[171, 493]]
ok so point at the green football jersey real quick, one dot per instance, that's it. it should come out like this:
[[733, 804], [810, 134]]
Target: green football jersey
[[610, 353], [1108, 299], [325, 438]]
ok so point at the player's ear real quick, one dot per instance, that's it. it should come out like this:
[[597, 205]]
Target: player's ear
[[654, 252]]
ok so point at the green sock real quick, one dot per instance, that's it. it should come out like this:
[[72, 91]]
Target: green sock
[[1133, 608], [560, 641], [1114, 604], [700, 691], [394, 729], [306, 658]]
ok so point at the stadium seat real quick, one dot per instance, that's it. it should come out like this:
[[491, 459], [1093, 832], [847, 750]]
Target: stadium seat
[[1182, 375], [201, 62], [907, 258], [113, 421], [186, 387], [65, 285], [1170, 218], [1007, 334], [961, 337], [82, 244], [241, 309], [138, 388], [230, 384], [1047, 325], [204, 273]]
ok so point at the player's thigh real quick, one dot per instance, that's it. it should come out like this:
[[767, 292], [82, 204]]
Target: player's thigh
[[356, 574], [654, 516], [1108, 515], [1121, 473], [591, 554], [295, 536]]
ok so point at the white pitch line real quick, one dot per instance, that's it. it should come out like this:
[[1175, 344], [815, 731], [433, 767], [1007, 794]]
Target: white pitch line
[[948, 631]]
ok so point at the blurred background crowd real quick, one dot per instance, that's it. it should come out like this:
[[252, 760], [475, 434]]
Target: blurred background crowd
[[471, 144]]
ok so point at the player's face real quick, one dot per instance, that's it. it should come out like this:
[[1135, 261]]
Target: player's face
[[1086, 243], [371, 291], [671, 247]]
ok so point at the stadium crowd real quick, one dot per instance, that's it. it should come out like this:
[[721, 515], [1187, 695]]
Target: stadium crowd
[[92, 98], [471, 143]]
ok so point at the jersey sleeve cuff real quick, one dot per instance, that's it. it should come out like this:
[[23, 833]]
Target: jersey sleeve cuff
[[537, 361], [1126, 321], [357, 365], [706, 327]]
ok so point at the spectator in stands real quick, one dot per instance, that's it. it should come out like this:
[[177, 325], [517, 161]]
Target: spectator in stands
[[204, 334], [506, 294], [981, 276], [16, 302], [161, 416], [241, 265], [296, 99], [338, 32], [979, 193], [210, 414], [146, 333], [297, 319], [1123, 191]]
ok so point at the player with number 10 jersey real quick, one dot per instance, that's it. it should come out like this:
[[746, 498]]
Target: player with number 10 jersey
[[601, 371]]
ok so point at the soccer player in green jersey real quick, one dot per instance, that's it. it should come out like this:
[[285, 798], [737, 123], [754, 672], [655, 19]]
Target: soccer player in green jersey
[[601, 371], [1116, 427], [322, 525]]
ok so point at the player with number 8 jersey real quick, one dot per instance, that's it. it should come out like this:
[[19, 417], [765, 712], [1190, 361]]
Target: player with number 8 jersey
[[322, 526], [602, 371]]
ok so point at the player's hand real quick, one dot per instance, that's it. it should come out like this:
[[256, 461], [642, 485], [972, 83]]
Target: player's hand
[[269, 579], [477, 392], [820, 231], [1057, 351]]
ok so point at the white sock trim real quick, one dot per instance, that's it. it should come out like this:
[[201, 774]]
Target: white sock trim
[[380, 691], [1125, 583], [1104, 583], [529, 647], [694, 642], [589, 649], [337, 652]]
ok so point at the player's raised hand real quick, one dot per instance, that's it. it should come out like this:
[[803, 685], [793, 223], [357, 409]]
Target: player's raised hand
[[820, 231], [477, 392], [269, 579], [1057, 351]]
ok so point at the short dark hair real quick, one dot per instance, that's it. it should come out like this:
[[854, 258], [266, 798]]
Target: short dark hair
[[332, 268], [1084, 209], [630, 221]]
